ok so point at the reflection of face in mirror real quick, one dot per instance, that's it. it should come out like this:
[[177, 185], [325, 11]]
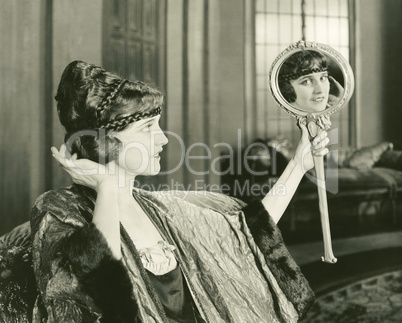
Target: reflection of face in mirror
[[311, 91], [304, 81]]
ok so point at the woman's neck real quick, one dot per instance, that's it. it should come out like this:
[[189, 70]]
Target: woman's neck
[[125, 189]]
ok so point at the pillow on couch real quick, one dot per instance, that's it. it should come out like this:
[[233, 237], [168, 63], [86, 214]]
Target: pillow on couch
[[365, 158], [391, 159]]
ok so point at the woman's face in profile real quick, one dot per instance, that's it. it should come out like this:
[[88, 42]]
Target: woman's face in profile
[[143, 141], [312, 91]]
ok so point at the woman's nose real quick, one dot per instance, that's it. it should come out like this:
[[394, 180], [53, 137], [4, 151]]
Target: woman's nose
[[318, 87], [161, 138]]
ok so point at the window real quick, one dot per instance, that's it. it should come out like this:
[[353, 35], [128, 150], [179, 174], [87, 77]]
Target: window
[[279, 23]]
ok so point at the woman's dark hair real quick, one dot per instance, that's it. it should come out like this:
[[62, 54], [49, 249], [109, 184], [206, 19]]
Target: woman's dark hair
[[302, 63], [89, 97]]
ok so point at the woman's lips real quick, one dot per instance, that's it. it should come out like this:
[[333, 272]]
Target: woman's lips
[[157, 154], [318, 99]]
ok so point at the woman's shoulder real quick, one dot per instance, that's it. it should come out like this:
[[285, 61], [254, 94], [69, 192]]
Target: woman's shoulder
[[58, 198], [62, 203]]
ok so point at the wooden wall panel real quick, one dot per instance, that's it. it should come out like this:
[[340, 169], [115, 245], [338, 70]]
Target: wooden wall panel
[[132, 43], [213, 101], [174, 92], [195, 103], [21, 118], [231, 70], [134, 64]]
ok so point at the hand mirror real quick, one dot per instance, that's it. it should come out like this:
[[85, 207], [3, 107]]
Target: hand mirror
[[311, 81]]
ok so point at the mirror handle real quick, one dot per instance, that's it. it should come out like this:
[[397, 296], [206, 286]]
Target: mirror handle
[[323, 206], [322, 200]]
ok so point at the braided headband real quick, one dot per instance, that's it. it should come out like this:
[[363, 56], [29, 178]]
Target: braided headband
[[295, 76], [120, 123], [107, 100]]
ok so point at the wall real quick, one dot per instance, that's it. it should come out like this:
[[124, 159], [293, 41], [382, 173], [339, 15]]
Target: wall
[[38, 39], [21, 99], [205, 86], [77, 35], [378, 68]]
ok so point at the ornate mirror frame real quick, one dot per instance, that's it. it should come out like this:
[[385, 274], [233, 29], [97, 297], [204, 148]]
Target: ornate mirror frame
[[322, 117]]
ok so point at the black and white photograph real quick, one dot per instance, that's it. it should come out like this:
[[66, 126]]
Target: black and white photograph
[[200, 161]]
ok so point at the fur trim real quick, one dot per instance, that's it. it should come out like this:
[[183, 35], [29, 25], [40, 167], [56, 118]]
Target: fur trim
[[285, 270], [104, 278]]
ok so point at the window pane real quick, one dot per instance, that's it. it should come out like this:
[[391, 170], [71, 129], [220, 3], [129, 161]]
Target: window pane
[[297, 25], [271, 5], [344, 31], [271, 53], [333, 8], [310, 28], [334, 35], [260, 28], [296, 4], [260, 58], [285, 6], [271, 29], [309, 7], [343, 8], [321, 7], [285, 28], [259, 5], [345, 52], [321, 30]]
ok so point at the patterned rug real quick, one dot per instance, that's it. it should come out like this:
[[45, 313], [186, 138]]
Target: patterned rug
[[375, 299]]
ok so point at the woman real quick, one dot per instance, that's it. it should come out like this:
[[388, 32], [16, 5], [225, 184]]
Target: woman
[[103, 251], [304, 81]]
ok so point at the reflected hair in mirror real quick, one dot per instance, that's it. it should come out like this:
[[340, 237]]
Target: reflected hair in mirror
[[299, 64]]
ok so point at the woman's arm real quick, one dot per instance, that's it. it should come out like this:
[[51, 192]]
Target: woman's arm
[[106, 212], [288, 182], [106, 217]]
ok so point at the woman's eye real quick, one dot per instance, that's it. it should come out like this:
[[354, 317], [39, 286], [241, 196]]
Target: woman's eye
[[306, 82], [324, 77], [148, 127]]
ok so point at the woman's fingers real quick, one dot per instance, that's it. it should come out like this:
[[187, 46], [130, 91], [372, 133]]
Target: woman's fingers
[[319, 144], [54, 150], [320, 152], [304, 130], [62, 159]]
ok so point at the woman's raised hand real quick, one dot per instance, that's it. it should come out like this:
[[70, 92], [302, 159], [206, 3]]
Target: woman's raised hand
[[335, 93], [306, 149], [84, 171]]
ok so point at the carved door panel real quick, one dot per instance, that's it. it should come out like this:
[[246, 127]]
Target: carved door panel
[[134, 39]]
